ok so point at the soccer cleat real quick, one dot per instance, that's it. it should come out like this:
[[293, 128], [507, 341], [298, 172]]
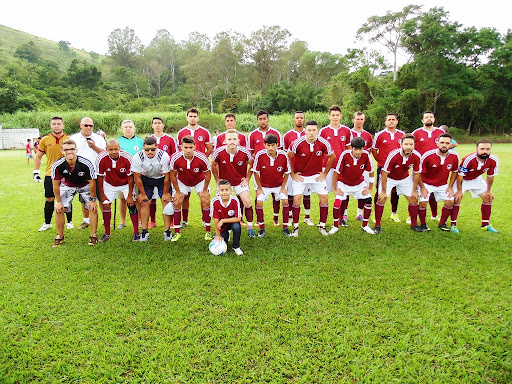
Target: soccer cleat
[[333, 230], [359, 217], [238, 251], [251, 233], [93, 240], [490, 228], [167, 235], [323, 231], [367, 229], [408, 221], [70, 225], [343, 223], [121, 226], [308, 221], [83, 225], [136, 237], [444, 228], [152, 224], [208, 236], [435, 218], [184, 224], [58, 241], [417, 228], [261, 233], [286, 232], [295, 232], [104, 238], [425, 228], [454, 229], [45, 227], [276, 223], [394, 217], [176, 237], [345, 218], [377, 230], [144, 237]]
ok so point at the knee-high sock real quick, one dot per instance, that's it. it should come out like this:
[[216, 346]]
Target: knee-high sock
[[290, 204], [394, 200], [207, 219], [367, 210], [276, 205], [324, 211], [241, 205], [286, 215], [259, 217], [296, 214], [49, 206], [422, 213], [445, 213], [69, 215], [433, 205], [152, 211], [336, 210], [184, 214], [107, 215], [177, 220], [307, 205], [486, 209], [249, 215], [135, 222], [455, 213], [413, 213], [379, 210]]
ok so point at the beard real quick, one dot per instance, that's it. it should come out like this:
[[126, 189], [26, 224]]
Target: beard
[[483, 156], [429, 124]]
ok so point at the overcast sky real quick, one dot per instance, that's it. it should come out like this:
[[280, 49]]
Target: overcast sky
[[325, 25]]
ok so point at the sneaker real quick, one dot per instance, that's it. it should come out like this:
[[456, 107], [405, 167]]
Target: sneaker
[[208, 236], [276, 223], [121, 226], [251, 233], [83, 225], [444, 228], [70, 225], [345, 218], [377, 230], [136, 237], [425, 228], [238, 251], [45, 227], [435, 218], [144, 237], [104, 238], [286, 232], [151, 224], [344, 224], [367, 229], [93, 240], [184, 224], [333, 230], [176, 237], [309, 222], [168, 236], [454, 229], [261, 233], [57, 241], [295, 232], [394, 217], [359, 217], [490, 228], [408, 221], [417, 228], [323, 231]]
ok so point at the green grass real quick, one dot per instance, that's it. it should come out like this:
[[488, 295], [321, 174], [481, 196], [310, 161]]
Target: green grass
[[399, 307]]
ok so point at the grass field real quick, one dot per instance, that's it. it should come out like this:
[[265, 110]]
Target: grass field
[[401, 307]]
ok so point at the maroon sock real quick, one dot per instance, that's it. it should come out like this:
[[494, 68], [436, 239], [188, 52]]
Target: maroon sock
[[249, 214], [107, 215], [422, 213], [379, 210], [433, 204], [367, 210], [286, 214], [324, 211], [135, 222], [259, 215], [290, 200], [336, 209], [360, 204], [276, 204], [207, 219], [455, 213], [177, 220], [394, 200], [445, 213], [413, 213], [152, 211], [296, 214], [344, 205], [307, 202], [184, 214], [486, 213]]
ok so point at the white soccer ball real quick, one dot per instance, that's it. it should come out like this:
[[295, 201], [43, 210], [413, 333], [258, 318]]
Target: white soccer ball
[[218, 248]]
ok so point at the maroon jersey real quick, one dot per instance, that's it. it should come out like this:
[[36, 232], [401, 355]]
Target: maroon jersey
[[166, 143], [201, 135], [232, 167], [385, 142], [425, 139], [339, 138], [116, 172], [367, 136], [351, 169], [190, 172], [257, 139], [271, 170], [309, 157], [471, 167], [220, 211], [436, 169], [221, 140], [290, 136], [398, 165]]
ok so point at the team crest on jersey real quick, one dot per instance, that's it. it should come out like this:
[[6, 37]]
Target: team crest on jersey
[[449, 166], [319, 153], [343, 138], [279, 169], [200, 138], [240, 163], [81, 173], [123, 170], [231, 212], [362, 166], [165, 148], [196, 170]]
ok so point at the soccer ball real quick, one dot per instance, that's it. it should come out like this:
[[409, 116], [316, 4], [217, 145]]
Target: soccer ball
[[218, 248]]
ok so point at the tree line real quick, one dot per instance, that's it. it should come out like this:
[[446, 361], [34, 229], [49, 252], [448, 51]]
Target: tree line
[[463, 74]]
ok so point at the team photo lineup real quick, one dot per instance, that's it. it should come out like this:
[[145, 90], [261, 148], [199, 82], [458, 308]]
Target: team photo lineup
[[422, 166]]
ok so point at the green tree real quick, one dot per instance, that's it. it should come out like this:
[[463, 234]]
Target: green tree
[[28, 51], [124, 46], [81, 73]]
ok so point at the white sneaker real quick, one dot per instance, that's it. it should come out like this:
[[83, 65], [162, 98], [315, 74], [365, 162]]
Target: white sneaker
[[408, 221], [323, 231], [167, 237], [45, 227], [144, 238], [70, 225], [367, 229], [435, 218], [238, 251], [333, 230], [295, 232], [309, 222]]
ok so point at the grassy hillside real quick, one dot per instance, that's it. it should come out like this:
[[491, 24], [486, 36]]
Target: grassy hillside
[[11, 39]]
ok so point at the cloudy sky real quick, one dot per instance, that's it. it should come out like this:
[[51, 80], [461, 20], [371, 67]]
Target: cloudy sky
[[325, 25]]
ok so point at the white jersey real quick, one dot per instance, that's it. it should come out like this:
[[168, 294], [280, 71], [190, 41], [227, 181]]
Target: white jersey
[[83, 149], [155, 167]]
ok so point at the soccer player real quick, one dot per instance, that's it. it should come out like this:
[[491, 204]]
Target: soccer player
[[358, 119], [471, 169], [28, 151], [306, 159], [113, 168], [230, 123], [349, 180], [190, 170], [225, 210], [73, 174], [438, 174], [88, 145], [288, 139], [271, 170], [150, 168], [51, 146], [454, 143], [233, 162], [384, 142], [426, 140], [395, 173]]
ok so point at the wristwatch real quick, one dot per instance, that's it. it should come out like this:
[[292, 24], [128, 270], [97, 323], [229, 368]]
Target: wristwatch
[[93, 199]]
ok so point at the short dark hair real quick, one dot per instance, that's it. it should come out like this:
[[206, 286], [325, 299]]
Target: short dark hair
[[392, 114], [271, 139], [484, 141], [157, 118], [56, 118], [299, 112], [69, 142], [261, 112], [357, 113], [150, 140], [229, 115], [188, 139], [424, 113], [224, 182], [357, 142], [334, 108], [28, 140], [312, 122], [192, 110], [445, 135], [408, 136]]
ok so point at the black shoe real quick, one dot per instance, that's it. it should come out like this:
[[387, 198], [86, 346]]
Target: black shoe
[[286, 232], [343, 223], [377, 230], [417, 228], [443, 228], [425, 228]]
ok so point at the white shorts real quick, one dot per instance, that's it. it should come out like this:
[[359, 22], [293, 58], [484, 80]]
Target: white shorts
[[439, 193], [67, 194], [476, 186], [239, 189], [352, 190], [403, 187], [29, 156], [185, 189], [112, 192], [268, 191], [318, 187], [328, 179], [289, 187]]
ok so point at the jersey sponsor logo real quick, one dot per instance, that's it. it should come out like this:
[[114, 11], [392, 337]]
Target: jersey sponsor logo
[[422, 139], [65, 171], [319, 153], [434, 165], [81, 173], [231, 212], [384, 141], [196, 170], [263, 167], [223, 161], [108, 170], [303, 154]]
